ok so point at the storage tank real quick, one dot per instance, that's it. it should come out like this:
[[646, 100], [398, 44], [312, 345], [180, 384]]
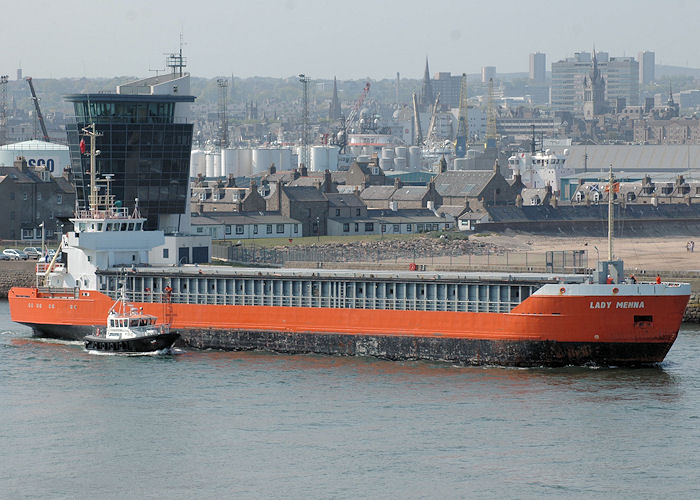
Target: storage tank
[[197, 159], [414, 158], [319, 159], [209, 166], [400, 163], [282, 158], [401, 151], [229, 162], [54, 157], [218, 172], [324, 158], [262, 159], [245, 161], [388, 153], [386, 164]]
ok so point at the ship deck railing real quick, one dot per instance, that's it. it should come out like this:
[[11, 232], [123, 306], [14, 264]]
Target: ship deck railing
[[408, 304], [58, 292], [43, 267]]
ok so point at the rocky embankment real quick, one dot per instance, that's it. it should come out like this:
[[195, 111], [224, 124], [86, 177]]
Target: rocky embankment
[[692, 312], [16, 273], [395, 249]]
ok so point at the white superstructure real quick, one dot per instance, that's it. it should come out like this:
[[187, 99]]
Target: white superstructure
[[541, 168]]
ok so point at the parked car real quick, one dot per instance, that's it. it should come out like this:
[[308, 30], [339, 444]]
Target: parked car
[[32, 252], [4, 257], [15, 254]]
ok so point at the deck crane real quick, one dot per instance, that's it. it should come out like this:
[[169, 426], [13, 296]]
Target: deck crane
[[462, 123], [356, 108], [340, 137], [39, 116]]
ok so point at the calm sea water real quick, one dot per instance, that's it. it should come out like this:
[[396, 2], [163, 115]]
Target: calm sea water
[[257, 425]]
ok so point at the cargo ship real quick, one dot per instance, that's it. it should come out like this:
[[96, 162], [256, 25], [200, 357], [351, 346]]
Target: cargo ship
[[513, 319]]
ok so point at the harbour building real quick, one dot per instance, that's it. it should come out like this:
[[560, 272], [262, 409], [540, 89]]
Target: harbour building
[[647, 67], [621, 75], [538, 67], [145, 144]]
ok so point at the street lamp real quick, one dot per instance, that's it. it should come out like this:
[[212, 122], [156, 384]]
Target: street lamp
[[318, 229]]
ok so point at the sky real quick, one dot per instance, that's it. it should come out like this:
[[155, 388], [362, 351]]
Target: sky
[[325, 38]]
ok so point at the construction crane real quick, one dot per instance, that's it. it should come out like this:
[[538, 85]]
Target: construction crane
[[462, 124], [416, 122], [39, 116], [3, 108], [433, 119], [491, 135]]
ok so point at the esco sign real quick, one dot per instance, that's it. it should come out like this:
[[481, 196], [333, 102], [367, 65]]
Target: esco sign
[[40, 162]]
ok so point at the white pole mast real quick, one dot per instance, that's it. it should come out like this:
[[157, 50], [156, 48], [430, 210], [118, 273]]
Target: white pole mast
[[611, 223]]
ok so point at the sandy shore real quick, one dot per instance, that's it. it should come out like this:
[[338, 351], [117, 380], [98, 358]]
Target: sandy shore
[[666, 253]]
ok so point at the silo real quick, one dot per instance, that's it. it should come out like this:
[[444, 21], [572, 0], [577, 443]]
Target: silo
[[386, 164], [209, 171], [388, 153]]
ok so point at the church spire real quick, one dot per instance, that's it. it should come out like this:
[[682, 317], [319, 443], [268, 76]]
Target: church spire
[[334, 112], [427, 93]]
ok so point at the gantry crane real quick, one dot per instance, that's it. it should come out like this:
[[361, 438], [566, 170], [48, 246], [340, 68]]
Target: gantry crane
[[462, 124], [39, 116]]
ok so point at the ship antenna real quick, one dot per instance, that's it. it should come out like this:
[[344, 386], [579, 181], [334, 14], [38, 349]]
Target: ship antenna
[[93, 134], [611, 223]]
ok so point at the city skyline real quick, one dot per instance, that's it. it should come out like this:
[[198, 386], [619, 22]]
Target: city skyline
[[322, 38]]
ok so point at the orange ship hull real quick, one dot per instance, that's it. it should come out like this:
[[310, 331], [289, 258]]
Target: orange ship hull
[[542, 330]]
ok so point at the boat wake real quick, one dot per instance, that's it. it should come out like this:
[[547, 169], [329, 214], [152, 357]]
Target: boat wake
[[161, 352]]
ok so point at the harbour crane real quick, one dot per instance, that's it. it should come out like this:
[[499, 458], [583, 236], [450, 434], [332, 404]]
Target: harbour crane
[[462, 124], [433, 119], [491, 135], [416, 122], [39, 116]]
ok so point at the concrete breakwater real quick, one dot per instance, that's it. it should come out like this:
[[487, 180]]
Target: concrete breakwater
[[22, 273]]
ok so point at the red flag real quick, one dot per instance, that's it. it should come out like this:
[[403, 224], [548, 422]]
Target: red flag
[[82, 146]]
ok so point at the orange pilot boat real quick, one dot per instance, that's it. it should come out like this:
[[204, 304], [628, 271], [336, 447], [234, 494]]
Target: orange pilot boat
[[522, 319]]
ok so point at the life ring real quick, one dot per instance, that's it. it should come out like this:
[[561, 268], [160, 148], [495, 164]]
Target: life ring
[[412, 266]]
